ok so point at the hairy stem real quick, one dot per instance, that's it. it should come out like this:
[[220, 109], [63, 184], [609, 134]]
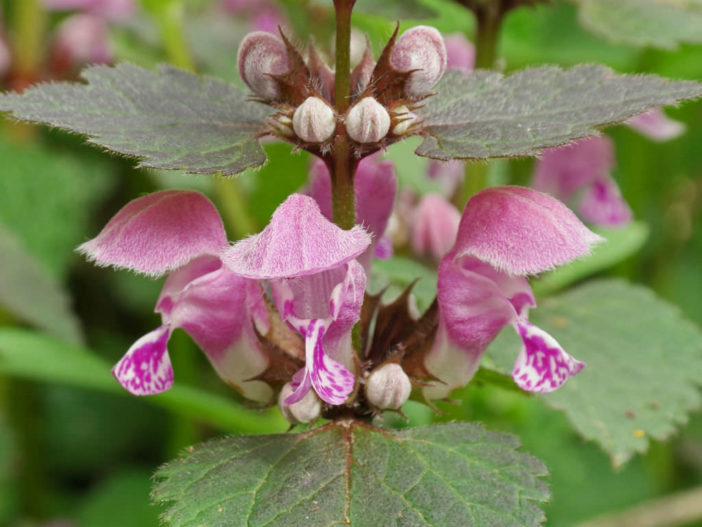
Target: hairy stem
[[487, 34], [343, 165], [28, 19]]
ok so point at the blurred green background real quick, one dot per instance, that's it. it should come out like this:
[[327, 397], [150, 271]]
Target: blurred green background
[[77, 451]]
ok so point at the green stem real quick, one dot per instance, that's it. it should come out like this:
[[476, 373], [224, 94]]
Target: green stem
[[170, 22], [233, 203], [343, 164], [489, 17], [487, 34], [29, 22]]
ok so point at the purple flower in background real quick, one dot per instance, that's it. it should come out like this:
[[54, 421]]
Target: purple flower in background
[[112, 10], [434, 226], [375, 187], [460, 53], [579, 175], [181, 233], [656, 125], [506, 233], [264, 15], [82, 38], [5, 56], [317, 285]]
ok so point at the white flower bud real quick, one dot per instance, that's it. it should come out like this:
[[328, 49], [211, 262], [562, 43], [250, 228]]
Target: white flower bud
[[261, 55], [283, 125], [367, 121], [388, 387], [422, 49], [306, 410], [405, 118], [314, 120]]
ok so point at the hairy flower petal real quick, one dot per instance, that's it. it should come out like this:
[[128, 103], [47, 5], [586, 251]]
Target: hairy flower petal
[[298, 241], [158, 233], [521, 231]]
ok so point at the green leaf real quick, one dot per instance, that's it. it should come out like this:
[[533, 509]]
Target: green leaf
[[37, 357], [487, 114], [60, 190], [32, 295], [660, 23], [350, 473], [644, 364], [620, 243], [171, 119]]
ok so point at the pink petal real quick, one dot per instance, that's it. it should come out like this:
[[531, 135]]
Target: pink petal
[[298, 241], [434, 226], [602, 204], [476, 301], [375, 186], [158, 233], [449, 174], [542, 366], [215, 307], [521, 231], [5, 57], [460, 53], [81, 39], [656, 125], [331, 380], [384, 248], [146, 367], [564, 170]]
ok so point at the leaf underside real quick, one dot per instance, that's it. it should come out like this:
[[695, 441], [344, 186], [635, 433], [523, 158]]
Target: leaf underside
[[170, 119], [486, 114], [660, 23], [644, 364], [348, 473]]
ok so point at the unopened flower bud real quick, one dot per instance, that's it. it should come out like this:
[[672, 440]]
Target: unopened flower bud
[[261, 55], [306, 410], [422, 49], [388, 387], [283, 125], [404, 119], [368, 121], [434, 226], [314, 120]]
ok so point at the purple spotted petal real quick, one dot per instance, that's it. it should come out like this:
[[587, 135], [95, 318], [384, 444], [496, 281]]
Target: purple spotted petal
[[384, 248], [656, 125], [331, 380], [216, 307], [542, 366], [146, 367], [521, 231], [602, 204], [158, 233], [298, 241]]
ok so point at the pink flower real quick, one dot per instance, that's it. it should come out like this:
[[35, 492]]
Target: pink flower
[[375, 187], [112, 10], [317, 285], [434, 226], [579, 175], [656, 125], [505, 234], [181, 233]]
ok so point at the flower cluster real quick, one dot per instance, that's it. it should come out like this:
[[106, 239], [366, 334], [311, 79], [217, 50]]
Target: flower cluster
[[285, 314], [383, 93]]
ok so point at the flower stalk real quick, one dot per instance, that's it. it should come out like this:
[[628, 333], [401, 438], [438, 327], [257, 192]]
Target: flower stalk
[[343, 165]]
